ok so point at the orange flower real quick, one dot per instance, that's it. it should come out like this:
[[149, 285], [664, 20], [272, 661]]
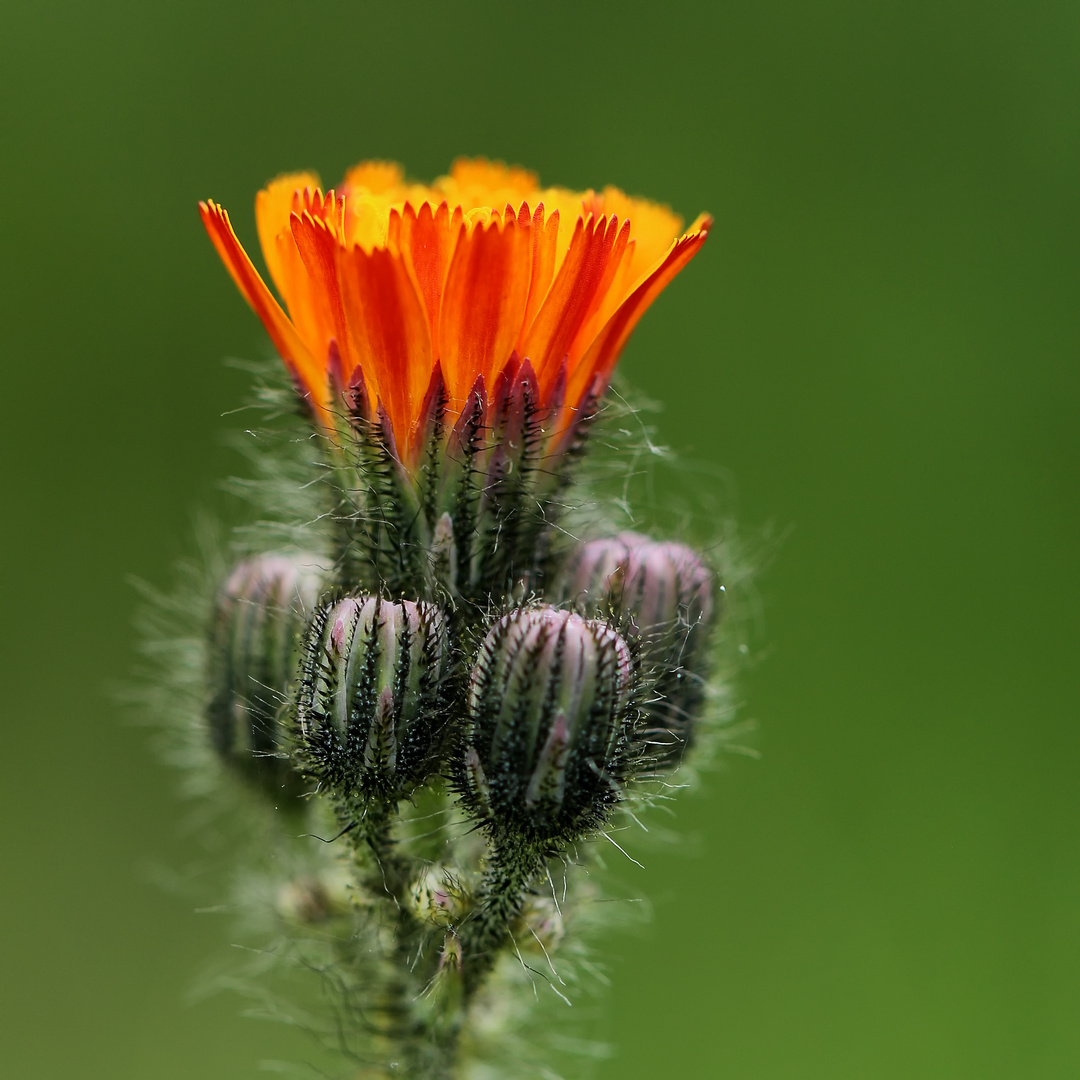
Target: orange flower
[[401, 283]]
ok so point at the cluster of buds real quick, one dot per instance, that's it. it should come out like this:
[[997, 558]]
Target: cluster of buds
[[540, 720], [559, 707]]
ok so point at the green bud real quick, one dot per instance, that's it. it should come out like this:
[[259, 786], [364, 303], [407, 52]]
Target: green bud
[[437, 897], [311, 900], [548, 709], [253, 658], [542, 923], [371, 716]]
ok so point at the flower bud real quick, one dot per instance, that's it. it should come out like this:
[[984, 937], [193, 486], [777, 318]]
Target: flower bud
[[662, 591], [543, 922], [446, 988], [655, 583], [254, 653], [371, 716], [437, 897], [314, 899], [548, 702]]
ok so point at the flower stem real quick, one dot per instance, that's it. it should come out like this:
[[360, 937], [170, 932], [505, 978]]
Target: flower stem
[[510, 872], [418, 1038]]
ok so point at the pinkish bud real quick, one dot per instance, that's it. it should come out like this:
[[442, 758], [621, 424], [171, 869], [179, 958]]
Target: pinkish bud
[[254, 652], [548, 704], [663, 593], [371, 716], [656, 584]]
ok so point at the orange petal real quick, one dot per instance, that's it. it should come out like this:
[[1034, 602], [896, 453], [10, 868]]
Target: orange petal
[[544, 236], [479, 182], [603, 302], [569, 205], [366, 222], [483, 305], [604, 352], [576, 290], [328, 208], [654, 227], [388, 328], [282, 333], [273, 205], [316, 246], [427, 237], [296, 193], [378, 177]]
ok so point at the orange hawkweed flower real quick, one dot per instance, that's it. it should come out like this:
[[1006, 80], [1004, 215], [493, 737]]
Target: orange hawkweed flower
[[391, 285]]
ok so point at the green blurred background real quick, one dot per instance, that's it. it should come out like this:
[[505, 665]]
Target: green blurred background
[[878, 345]]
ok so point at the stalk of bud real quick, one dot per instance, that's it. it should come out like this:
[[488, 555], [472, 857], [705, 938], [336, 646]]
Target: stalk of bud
[[371, 716], [254, 653], [662, 593]]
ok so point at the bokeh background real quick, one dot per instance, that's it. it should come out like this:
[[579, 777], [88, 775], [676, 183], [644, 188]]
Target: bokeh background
[[874, 361]]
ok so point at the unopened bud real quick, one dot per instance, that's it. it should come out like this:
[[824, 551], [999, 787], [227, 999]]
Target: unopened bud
[[311, 900], [548, 702], [450, 955], [254, 653], [445, 991], [658, 585], [543, 922], [663, 593], [370, 716], [437, 897]]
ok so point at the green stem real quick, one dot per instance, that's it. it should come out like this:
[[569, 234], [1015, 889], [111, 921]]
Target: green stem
[[487, 930], [422, 1043]]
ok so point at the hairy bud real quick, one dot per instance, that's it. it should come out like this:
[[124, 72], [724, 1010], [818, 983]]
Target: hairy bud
[[548, 704], [254, 653], [663, 593], [312, 900], [370, 716], [437, 897]]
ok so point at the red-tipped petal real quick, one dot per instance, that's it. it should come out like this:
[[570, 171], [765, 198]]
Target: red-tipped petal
[[483, 303], [603, 303], [602, 355], [545, 234], [427, 237], [317, 246], [389, 331], [273, 205], [576, 290], [282, 333]]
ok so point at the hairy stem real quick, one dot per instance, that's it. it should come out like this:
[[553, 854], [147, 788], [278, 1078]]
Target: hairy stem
[[486, 931], [419, 1039]]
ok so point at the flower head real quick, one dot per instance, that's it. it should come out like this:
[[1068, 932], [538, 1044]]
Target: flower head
[[395, 288]]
